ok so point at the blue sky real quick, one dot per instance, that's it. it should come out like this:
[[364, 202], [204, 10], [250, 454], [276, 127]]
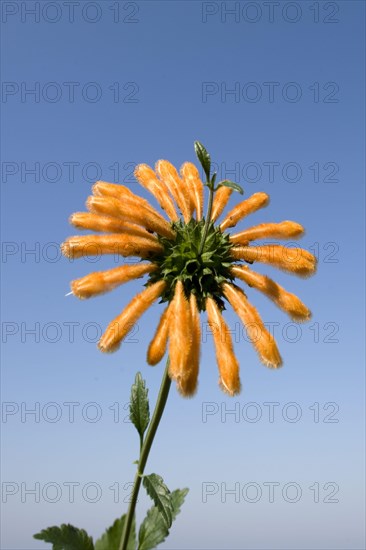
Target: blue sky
[[276, 93]]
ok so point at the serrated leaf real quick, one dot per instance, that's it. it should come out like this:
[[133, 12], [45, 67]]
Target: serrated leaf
[[232, 185], [160, 494], [139, 405], [112, 537], [178, 497], [153, 530], [66, 537], [203, 157]]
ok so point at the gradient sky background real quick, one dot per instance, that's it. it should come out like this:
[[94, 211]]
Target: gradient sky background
[[160, 56]]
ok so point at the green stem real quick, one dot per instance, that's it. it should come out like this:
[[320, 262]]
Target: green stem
[[208, 219], [144, 454]]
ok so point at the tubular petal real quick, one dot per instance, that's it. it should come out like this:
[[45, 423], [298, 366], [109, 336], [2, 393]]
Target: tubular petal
[[225, 356], [158, 344], [179, 334], [288, 302], [108, 224], [169, 175], [262, 340], [104, 281], [244, 208], [120, 192], [189, 185], [105, 206], [104, 188], [188, 384], [220, 201], [192, 178], [282, 230], [293, 260], [93, 245], [121, 325], [147, 178], [135, 214]]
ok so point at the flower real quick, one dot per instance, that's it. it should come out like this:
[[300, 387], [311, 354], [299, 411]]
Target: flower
[[191, 265]]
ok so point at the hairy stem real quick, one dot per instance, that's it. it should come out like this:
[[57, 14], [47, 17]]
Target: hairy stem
[[208, 219], [144, 453]]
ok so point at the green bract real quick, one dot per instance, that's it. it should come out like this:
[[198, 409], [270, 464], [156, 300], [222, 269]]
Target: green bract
[[201, 274]]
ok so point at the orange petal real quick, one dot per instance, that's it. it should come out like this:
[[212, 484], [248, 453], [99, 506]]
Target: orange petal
[[157, 347], [169, 175], [108, 224], [244, 208], [121, 325], [136, 214], [104, 281], [191, 178], [120, 192], [293, 260], [262, 340], [179, 334], [188, 383], [220, 201], [225, 356], [148, 179], [288, 302], [282, 230], [93, 245]]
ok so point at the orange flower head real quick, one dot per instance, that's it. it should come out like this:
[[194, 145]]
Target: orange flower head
[[191, 264]]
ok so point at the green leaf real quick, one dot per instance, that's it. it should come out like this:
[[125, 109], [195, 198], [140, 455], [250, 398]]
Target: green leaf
[[139, 405], [153, 530], [66, 537], [233, 185], [160, 494], [203, 157], [178, 497], [112, 537]]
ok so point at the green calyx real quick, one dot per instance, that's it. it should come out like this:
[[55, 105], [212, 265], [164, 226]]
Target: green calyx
[[201, 274]]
